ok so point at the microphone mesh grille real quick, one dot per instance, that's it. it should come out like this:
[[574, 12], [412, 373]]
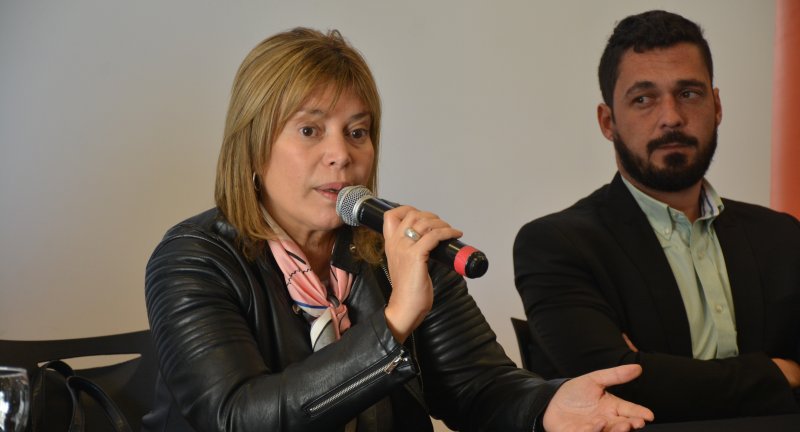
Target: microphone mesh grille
[[349, 200]]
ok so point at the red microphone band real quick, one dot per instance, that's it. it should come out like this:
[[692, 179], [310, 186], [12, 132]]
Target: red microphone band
[[460, 261]]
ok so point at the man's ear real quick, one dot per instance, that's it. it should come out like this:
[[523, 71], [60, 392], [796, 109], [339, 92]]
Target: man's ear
[[605, 119], [717, 106]]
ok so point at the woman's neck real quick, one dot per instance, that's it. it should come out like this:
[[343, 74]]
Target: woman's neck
[[318, 248]]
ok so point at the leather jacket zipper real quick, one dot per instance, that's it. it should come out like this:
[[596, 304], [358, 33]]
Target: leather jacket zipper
[[411, 336], [386, 272], [382, 368]]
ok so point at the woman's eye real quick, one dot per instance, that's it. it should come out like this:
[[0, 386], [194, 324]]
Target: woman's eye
[[307, 131], [358, 133]]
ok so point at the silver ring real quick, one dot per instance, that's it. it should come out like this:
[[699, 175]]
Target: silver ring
[[410, 233]]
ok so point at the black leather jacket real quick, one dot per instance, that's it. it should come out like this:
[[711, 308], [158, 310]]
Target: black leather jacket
[[234, 356]]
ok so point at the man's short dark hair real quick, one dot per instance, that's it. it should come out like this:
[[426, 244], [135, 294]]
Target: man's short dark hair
[[643, 32]]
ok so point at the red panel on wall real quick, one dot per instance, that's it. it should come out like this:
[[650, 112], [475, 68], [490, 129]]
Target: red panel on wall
[[785, 193]]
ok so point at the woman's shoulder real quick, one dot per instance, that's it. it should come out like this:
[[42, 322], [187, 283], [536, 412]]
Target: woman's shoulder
[[203, 248], [203, 232], [211, 222]]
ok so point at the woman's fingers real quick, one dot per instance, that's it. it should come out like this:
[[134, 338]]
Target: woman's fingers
[[409, 236], [417, 226]]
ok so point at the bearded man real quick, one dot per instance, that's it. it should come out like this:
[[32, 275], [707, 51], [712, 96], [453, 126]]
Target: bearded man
[[655, 268]]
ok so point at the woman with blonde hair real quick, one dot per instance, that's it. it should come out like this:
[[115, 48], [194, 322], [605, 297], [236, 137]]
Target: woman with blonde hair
[[269, 314]]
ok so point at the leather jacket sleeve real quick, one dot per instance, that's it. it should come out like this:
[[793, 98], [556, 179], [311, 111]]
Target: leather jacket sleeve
[[201, 296], [469, 381], [198, 295]]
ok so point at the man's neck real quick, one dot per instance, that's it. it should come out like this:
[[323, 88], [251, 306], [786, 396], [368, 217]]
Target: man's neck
[[686, 201]]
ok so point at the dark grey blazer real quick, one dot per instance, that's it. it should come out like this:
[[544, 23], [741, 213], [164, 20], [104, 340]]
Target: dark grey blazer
[[596, 270]]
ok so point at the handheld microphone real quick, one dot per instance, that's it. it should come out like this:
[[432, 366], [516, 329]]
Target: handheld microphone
[[356, 205]]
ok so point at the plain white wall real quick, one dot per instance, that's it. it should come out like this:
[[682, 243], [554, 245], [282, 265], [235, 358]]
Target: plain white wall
[[111, 115]]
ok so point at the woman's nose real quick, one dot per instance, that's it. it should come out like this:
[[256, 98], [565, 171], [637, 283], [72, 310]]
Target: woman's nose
[[337, 151]]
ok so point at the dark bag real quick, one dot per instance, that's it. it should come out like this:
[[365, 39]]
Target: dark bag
[[57, 404]]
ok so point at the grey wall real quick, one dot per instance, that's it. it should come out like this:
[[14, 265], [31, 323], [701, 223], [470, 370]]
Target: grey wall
[[111, 115]]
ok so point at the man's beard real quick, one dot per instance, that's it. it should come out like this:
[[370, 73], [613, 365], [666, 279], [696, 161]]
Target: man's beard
[[679, 173]]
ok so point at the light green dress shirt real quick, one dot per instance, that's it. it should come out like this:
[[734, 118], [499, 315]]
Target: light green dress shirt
[[695, 256]]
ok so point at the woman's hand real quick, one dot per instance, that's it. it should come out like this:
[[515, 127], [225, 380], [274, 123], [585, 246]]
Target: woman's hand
[[583, 404], [412, 290]]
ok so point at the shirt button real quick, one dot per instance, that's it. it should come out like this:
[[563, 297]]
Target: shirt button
[[718, 308], [667, 230]]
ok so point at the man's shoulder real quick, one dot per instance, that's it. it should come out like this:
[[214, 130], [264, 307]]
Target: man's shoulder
[[583, 214], [583, 210], [761, 224], [748, 213]]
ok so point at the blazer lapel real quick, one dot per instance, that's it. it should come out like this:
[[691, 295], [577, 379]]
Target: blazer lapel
[[635, 236], [746, 288]]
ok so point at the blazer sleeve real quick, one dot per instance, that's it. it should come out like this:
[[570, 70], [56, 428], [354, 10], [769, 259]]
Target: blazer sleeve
[[197, 300], [579, 329]]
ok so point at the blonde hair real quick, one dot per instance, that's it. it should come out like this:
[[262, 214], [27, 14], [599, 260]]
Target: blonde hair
[[271, 85]]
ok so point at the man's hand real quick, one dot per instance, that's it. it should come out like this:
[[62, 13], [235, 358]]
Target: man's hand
[[791, 370], [629, 343], [582, 404]]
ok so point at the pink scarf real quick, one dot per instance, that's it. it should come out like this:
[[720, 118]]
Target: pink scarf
[[327, 311]]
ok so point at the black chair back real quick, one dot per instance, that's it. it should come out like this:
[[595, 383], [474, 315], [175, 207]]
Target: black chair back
[[524, 341], [130, 384]]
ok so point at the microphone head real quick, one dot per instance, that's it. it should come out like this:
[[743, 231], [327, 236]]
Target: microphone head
[[349, 200]]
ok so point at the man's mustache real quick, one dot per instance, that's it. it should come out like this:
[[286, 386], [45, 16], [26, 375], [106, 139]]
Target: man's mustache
[[671, 138]]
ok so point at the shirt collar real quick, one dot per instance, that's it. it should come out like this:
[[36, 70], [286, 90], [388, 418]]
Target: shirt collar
[[710, 203], [661, 216]]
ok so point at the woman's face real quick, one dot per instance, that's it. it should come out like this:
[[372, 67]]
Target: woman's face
[[320, 150]]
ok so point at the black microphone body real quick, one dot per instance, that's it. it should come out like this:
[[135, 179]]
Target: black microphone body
[[357, 206]]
